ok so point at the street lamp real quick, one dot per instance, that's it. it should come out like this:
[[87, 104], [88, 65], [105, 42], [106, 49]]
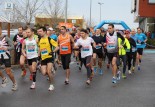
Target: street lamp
[[66, 4], [100, 9], [90, 12]]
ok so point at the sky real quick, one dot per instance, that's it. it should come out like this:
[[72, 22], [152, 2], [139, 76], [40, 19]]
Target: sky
[[111, 10]]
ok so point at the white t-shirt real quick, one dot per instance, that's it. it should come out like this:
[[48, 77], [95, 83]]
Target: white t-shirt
[[86, 49]]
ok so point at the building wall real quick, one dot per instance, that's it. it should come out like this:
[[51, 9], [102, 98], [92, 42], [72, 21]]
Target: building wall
[[146, 9]]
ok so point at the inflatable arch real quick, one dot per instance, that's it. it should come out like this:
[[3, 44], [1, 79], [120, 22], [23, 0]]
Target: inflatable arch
[[112, 22]]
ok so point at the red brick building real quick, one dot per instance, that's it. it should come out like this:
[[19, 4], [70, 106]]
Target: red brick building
[[144, 14]]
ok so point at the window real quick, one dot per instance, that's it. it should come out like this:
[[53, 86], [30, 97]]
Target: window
[[151, 1]]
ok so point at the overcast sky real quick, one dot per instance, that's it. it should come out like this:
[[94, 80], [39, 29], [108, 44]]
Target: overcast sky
[[111, 10]]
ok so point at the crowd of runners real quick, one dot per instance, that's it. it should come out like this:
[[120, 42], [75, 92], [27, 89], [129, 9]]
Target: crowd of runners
[[46, 50]]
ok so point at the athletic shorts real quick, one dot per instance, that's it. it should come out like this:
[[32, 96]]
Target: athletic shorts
[[30, 61], [46, 61], [66, 59], [86, 60], [111, 55], [6, 62], [100, 55], [140, 51]]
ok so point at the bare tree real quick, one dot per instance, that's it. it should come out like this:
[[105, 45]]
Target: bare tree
[[55, 10], [26, 10]]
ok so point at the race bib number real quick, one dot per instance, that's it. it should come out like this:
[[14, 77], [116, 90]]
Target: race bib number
[[64, 48], [31, 48], [133, 49], [44, 52], [111, 46], [85, 49], [2, 51], [98, 47]]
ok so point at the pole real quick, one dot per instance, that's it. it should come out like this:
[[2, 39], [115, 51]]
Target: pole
[[90, 12], [100, 10], [66, 12]]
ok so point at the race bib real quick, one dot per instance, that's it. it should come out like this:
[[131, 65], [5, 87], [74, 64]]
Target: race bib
[[133, 49], [31, 48], [85, 49], [44, 52], [2, 51], [64, 48], [111, 46], [98, 47]]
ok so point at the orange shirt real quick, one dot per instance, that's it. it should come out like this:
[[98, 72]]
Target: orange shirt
[[65, 44]]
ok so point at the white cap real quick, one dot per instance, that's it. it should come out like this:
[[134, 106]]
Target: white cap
[[50, 28]]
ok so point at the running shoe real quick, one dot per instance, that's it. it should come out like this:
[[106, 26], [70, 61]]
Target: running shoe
[[95, 69], [123, 76], [114, 80], [4, 82], [66, 82], [14, 87], [100, 71], [88, 82], [33, 86], [138, 68], [51, 88], [118, 75], [23, 74], [129, 72]]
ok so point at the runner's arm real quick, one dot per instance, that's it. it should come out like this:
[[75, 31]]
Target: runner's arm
[[23, 48], [11, 47]]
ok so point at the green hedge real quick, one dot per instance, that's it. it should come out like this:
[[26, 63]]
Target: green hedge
[[151, 42]]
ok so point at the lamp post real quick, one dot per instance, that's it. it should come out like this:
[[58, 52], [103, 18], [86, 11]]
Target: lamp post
[[90, 12], [66, 4], [100, 9]]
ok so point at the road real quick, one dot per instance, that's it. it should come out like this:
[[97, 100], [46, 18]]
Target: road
[[138, 90]]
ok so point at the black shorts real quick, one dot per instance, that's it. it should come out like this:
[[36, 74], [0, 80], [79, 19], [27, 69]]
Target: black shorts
[[66, 59], [30, 61], [46, 61], [6, 62], [111, 55], [140, 51], [100, 55], [86, 60]]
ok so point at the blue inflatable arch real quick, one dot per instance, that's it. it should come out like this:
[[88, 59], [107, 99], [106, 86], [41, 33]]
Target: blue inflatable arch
[[112, 22]]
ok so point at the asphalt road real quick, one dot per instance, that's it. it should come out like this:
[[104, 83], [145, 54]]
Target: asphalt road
[[138, 90]]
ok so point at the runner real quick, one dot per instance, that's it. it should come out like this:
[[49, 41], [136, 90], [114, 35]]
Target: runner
[[46, 54], [65, 42], [30, 51], [123, 46], [131, 54], [111, 39], [133, 36], [22, 58], [16, 41], [141, 39], [86, 52], [98, 51], [5, 46]]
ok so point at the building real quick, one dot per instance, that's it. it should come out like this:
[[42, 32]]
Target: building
[[44, 19], [144, 14]]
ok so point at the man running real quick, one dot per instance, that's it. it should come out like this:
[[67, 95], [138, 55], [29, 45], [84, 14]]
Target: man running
[[5, 46], [111, 39], [30, 51], [65, 42], [46, 54], [133, 36], [98, 51], [141, 39]]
